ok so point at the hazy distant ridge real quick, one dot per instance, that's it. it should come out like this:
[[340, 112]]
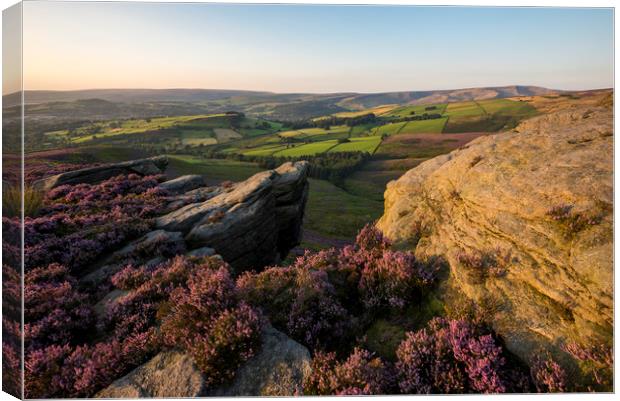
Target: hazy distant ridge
[[349, 100]]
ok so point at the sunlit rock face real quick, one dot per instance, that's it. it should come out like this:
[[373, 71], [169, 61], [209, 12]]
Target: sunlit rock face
[[524, 220]]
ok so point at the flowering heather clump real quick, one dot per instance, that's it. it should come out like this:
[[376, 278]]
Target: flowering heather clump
[[11, 372], [317, 298], [196, 298], [60, 371], [548, 376], [129, 278], [360, 374], [77, 224], [273, 290], [372, 240], [300, 301], [207, 320], [134, 194], [390, 280], [572, 222], [54, 310], [138, 311], [453, 356], [316, 318], [599, 358], [36, 169]]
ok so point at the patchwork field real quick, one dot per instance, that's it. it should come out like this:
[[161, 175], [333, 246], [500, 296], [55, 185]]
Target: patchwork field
[[240, 142]]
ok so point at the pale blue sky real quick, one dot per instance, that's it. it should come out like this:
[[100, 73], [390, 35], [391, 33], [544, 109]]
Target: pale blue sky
[[293, 48]]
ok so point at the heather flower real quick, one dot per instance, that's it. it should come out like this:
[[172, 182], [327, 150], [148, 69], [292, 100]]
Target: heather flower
[[206, 320], [548, 376], [597, 358], [453, 356], [359, 374]]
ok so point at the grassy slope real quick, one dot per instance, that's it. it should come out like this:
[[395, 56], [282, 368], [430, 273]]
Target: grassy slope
[[336, 213], [213, 170]]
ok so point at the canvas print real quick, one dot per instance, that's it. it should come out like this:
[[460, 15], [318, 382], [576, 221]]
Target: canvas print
[[209, 200]]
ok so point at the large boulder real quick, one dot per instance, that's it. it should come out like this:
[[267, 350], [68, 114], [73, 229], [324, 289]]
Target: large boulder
[[524, 221], [279, 369], [168, 374], [250, 224], [94, 175]]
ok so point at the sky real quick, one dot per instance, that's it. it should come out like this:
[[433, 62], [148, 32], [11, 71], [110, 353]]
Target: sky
[[305, 48]]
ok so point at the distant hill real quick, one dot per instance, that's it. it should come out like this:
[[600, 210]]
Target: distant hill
[[346, 100], [442, 96]]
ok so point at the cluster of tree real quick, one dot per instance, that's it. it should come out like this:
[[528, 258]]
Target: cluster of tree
[[419, 117]]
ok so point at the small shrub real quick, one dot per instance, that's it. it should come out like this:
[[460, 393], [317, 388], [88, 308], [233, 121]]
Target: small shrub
[[206, 320], [454, 356], [484, 264], [391, 280], [596, 358], [547, 375], [316, 318], [129, 278], [55, 310], [570, 221], [12, 201], [359, 374]]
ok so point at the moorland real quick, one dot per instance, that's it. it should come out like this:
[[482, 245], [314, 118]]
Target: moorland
[[252, 243]]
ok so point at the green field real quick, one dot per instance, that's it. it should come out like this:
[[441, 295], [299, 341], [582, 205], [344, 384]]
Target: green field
[[389, 129], [361, 144], [307, 149], [431, 126]]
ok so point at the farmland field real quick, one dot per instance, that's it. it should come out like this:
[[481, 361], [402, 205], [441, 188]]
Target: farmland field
[[308, 149], [435, 125], [362, 144], [240, 142], [389, 129]]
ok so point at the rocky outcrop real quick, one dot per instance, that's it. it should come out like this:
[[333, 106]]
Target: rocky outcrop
[[250, 224], [279, 368], [183, 184], [524, 221], [168, 374], [93, 175]]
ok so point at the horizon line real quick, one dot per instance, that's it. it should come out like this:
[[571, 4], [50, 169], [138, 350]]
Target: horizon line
[[305, 93]]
